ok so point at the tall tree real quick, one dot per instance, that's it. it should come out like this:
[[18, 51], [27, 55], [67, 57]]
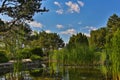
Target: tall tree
[[98, 38], [112, 25], [48, 41], [79, 38], [113, 22], [14, 38], [21, 10]]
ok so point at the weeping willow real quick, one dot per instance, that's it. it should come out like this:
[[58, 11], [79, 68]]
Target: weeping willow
[[78, 55]]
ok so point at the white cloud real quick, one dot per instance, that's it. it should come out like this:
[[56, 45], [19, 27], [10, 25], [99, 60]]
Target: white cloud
[[69, 32], [59, 26], [35, 24], [57, 3], [80, 3], [48, 31], [60, 11], [90, 28], [73, 7]]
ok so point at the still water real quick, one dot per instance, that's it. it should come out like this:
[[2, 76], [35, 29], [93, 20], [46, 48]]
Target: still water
[[82, 74], [68, 74]]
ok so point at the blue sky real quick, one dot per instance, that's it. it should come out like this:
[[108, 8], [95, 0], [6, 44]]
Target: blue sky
[[67, 17]]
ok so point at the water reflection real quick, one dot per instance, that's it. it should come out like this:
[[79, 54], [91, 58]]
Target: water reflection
[[82, 74], [67, 74]]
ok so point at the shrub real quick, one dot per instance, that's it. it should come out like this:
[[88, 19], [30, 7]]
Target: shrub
[[35, 57], [26, 53], [37, 51], [3, 57]]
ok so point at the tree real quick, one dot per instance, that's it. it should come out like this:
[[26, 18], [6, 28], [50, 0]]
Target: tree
[[113, 24], [13, 31], [21, 10], [14, 39], [79, 38], [48, 41], [98, 38]]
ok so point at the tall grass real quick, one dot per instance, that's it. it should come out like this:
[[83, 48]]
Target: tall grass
[[113, 56], [78, 55]]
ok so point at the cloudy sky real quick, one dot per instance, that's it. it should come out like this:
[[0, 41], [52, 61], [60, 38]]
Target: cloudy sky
[[67, 17]]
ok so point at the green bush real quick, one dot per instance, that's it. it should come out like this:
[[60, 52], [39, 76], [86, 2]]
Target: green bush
[[3, 57], [37, 51], [36, 73], [35, 57], [25, 53]]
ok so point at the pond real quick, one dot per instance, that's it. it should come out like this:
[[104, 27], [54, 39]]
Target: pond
[[68, 74], [82, 74]]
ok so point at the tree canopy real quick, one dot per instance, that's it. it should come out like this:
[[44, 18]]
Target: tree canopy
[[98, 38], [14, 32], [112, 25], [79, 38], [47, 41], [21, 10]]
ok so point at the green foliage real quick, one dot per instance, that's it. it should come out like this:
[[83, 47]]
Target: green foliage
[[102, 57], [98, 38], [35, 57], [14, 33], [21, 10], [112, 25], [3, 57], [114, 55], [79, 38], [36, 73], [113, 22], [103, 63], [104, 70], [107, 41], [79, 55], [37, 51], [48, 41], [25, 53], [53, 61]]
